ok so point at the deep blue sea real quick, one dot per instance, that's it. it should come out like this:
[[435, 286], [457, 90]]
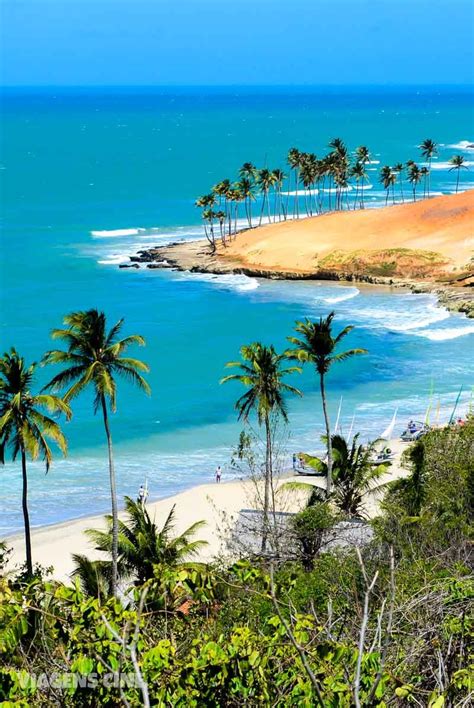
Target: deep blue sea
[[90, 176]]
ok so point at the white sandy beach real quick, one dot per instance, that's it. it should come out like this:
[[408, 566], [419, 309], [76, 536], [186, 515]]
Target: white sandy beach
[[217, 504]]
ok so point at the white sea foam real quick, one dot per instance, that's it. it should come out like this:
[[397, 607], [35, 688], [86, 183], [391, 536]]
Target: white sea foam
[[115, 233], [441, 335], [467, 145], [373, 162], [116, 259], [347, 295], [239, 282], [301, 192], [403, 320], [333, 190]]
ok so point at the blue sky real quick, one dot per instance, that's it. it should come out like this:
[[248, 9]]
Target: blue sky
[[204, 42]]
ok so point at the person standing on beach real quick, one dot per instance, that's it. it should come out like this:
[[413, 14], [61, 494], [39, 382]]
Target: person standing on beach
[[218, 474], [142, 495], [294, 460]]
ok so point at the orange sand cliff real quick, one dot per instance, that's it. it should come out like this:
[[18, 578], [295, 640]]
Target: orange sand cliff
[[439, 233]]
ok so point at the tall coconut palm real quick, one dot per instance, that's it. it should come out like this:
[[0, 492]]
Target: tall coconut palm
[[339, 168], [221, 217], [360, 175], [206, 202], [294, 161], [209, 215], [425, 174], [246, 188], [386, 180], [414, 176], [317, 346], [142, 545], [93, 358], [429, 149], [221, 190], [24, 427], [278, 179], [398, 170], [362, 154], [262, 371], [265, 180], [457, 162]]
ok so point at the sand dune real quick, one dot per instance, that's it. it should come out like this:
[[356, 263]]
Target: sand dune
[[439, 233]]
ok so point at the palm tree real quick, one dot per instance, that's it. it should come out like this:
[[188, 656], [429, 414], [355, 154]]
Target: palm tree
[[94, 356], [25, 428], [222, 191], [360, 175], [339, 162], [414, 176], [429, 149], [457, 162], [398, 170], [209, 215], [237, 197], [221, 217], [93, 576], [424, 172], [265, 180], [142, 546], [246, 188], [362, 154], [206, 202], [317, 347], [354, 473], [386, 180], [278, 179], [294, 161], [262, 371]]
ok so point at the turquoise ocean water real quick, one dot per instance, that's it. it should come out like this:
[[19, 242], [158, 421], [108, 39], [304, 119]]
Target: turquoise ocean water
[[89, 177]]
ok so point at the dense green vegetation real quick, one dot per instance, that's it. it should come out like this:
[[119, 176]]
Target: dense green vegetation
[[388, 625], [332, 182]]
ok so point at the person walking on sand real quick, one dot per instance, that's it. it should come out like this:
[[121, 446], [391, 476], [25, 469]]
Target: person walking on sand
[[218, 474], [142, 495], [295, 459]]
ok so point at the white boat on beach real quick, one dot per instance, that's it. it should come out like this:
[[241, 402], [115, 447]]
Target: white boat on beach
[[414, 431]]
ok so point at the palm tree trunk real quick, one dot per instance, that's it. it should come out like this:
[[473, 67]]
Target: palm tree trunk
[[287, 207], [268, 482], [113, 497], [297, 205], [26, 516], [328, 435], [457, 183], [262, 209]]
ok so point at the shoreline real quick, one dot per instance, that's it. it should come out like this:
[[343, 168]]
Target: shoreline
[[427, 244], [218, 505], [194, 257]]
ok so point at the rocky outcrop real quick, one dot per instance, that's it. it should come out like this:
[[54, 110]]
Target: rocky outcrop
[[195, 257]]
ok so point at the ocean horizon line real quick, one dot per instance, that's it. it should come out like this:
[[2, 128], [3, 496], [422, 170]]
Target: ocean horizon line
[[250, 88]]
